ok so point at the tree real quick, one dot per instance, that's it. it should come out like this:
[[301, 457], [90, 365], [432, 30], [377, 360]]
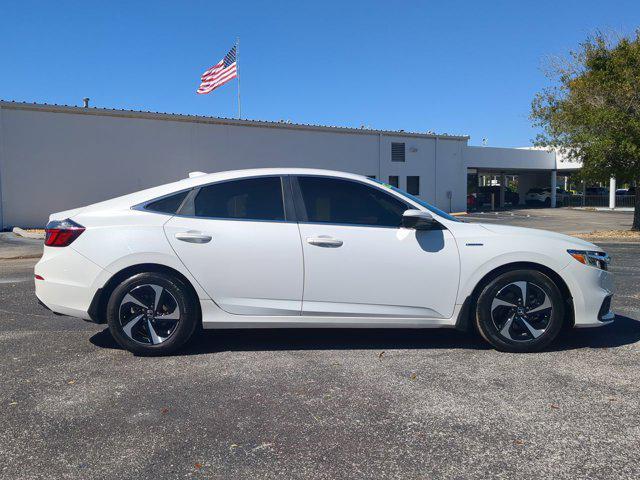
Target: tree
[[591, 111]]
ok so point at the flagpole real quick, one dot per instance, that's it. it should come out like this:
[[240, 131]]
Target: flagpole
[[238, 74]]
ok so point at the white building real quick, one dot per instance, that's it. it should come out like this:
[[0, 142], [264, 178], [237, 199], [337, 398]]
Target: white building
[[54, 157]]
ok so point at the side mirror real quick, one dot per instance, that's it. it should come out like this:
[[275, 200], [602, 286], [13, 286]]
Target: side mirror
[[418, 220]]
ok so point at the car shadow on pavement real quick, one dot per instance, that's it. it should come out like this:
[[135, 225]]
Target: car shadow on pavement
[[623, 331], [211, 341]]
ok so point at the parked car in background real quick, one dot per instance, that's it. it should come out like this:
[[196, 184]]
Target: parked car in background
[[596, 191], [543, 195], [305, 248], [625, 192], [483, 196], [537, 195]]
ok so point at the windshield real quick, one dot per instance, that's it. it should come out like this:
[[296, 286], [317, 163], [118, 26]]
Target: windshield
[[426, 205]]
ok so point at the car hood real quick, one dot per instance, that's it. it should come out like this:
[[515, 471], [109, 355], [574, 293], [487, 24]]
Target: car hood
[[533, 232]]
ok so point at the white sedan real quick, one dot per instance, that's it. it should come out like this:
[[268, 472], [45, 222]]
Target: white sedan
[[543, 195], [310, 248]]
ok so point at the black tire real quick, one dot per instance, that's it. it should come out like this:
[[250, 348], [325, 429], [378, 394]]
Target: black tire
[[527, 326], [152, 334]]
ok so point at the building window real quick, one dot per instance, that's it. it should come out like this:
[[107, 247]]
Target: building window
[[397, 152], [394, 180], [413, 185]]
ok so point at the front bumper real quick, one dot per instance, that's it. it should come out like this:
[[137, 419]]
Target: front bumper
[[592, 290], [605, 314]]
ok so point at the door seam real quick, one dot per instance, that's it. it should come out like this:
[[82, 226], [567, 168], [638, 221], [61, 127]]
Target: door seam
[[304, 270], [195, 279]]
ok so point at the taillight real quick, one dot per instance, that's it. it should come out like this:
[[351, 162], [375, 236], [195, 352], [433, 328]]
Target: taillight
[[61, 233]]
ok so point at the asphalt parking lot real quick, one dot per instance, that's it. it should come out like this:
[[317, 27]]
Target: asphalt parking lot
[[322, 403], [563, 220]]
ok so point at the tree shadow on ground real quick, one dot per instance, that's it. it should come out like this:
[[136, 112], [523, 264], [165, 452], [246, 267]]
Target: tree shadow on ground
[[623, 331]]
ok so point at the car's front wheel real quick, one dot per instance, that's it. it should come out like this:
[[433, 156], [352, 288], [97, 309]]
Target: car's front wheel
[[520, 311], [152, 313]]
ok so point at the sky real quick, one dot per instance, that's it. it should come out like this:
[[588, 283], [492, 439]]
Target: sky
[[457, 67]]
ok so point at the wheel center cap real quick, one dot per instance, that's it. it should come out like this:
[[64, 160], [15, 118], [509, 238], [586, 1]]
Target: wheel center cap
[[521, 310], [150, 313]]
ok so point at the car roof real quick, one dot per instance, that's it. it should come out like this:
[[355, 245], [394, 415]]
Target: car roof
[[253, 172], [203, 179]]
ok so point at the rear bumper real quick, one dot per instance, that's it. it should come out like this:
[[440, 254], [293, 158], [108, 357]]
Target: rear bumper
[[68, 285], [42, 304]]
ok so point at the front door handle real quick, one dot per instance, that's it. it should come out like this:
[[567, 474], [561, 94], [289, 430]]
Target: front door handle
[[193, 237], [325, 241]]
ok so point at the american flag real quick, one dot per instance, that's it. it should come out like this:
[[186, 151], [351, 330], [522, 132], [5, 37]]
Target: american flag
[[223, 71]]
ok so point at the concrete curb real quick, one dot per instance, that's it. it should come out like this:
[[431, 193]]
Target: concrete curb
[[20, 257], [23, 233], [604, 209], [15, 247]]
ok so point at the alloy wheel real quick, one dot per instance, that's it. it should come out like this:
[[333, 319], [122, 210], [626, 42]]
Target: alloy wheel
[[521, 311], [149, 314]]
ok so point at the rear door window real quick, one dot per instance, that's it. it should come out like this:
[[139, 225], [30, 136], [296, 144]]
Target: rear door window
[[246, 199]]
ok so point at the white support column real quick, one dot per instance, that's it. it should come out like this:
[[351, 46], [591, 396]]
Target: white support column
[[554, 185], [612, 193]]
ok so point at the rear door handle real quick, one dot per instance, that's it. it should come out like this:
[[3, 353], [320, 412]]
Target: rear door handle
[[325, 241], [193, 237]]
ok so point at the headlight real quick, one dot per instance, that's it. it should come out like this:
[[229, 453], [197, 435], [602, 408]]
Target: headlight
[[593, 259]]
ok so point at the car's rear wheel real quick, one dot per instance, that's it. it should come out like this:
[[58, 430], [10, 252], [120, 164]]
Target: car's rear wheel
[[152, 313], [520, 311]]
